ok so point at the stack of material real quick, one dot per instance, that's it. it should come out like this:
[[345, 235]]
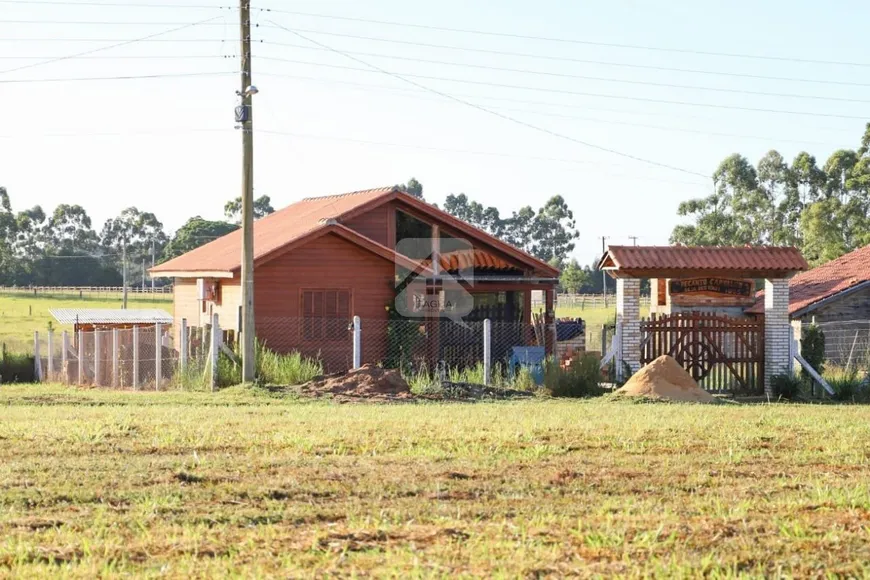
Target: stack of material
[[664, 378]]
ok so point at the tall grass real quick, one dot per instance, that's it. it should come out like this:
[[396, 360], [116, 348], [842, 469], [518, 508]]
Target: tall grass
[[848, 384], [424, 380]]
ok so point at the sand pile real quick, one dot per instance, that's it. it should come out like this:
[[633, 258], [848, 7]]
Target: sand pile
[[368, 382], [664, 378]]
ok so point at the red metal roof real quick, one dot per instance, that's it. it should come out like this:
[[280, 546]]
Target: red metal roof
[[284, 227], [746, 259], [823, 282]]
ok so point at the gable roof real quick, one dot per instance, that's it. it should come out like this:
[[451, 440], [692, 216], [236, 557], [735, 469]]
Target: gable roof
[[297, 222], [808, 289], [672, 261]]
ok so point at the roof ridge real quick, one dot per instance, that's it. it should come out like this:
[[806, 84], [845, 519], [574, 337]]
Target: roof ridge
[[349, 193]]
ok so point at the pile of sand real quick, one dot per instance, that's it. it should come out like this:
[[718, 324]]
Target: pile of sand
[[664, 378], [368, 382]]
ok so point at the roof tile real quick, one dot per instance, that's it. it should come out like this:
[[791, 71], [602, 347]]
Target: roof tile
[[707, 258]]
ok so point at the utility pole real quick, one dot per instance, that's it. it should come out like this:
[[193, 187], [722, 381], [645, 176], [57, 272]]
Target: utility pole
[[152, 265], [633, 239], [124, 274], [244, 116], [603, 273]]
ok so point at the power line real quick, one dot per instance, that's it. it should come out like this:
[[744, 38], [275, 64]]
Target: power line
[[116, 4], [588, 78], [57, 39], [111, 46], [472, 152], [562, 40], [563, 59], [116, 78], [497, 114], [126, 57], [582, 93], [105, 23]]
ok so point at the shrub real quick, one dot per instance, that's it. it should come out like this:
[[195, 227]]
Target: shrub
[[813, 349], [788, 387], [16, 368], [848, 385], [580, 379], [271, 368]]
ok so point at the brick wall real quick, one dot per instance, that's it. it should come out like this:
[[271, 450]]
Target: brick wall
[[628, 317], [776, 332]]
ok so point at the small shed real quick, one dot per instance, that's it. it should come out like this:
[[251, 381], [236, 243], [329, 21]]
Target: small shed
[[90, 319]]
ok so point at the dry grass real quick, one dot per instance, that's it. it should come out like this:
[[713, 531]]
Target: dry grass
[[241, 483]]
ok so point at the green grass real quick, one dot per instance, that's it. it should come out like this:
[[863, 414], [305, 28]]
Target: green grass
[[21, 314], [237, 483]]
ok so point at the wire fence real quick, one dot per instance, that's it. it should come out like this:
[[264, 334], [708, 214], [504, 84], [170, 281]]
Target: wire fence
[[582, 301], [847, 343], [157, 293]]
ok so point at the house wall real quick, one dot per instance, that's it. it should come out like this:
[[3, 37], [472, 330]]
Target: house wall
[[853, 306], [375, 225], [329, 262], [187, 305]]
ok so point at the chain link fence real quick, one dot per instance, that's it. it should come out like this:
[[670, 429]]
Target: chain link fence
[[847, 344]]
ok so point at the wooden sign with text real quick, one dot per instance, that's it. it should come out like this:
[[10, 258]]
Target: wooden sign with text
[[712, 286]]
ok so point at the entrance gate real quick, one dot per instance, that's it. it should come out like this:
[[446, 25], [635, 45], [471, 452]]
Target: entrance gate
[[724, 354]]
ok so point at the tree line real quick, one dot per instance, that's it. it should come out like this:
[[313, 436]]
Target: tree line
[[62, 248], [823, 210]]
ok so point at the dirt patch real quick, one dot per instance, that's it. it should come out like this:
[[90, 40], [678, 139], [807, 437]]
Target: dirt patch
[[473, 392], [664, 378], [369, 382]]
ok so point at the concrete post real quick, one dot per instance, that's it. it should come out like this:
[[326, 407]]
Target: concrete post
[[64, 356], [628, 320], [183, 347], [215, 351], [158, 355], [357, 342], [98, 368], [487, 352], [50, 361], [777, 332], [37, 359], [136, 357], [81, 360], [115, 351]]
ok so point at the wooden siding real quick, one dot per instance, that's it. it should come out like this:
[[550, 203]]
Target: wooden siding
[[185, 306], [374, 225], [853, 306], [329, 262]]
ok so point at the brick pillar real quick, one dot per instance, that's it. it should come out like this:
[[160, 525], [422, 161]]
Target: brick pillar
[[776, 332], [628, 317]]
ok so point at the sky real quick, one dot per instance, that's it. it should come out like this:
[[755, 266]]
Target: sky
[[591, 107]]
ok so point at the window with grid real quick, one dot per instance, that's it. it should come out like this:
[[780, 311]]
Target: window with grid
[[325, 314]]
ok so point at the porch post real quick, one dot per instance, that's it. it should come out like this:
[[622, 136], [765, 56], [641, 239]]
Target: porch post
[[628, 319], [550, 318], [777, 332]]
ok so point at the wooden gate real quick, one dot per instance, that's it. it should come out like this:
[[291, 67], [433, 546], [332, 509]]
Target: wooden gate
[[724, 354]]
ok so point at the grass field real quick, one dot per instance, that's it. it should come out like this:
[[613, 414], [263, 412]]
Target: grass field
[[200, 485], [21, 314]]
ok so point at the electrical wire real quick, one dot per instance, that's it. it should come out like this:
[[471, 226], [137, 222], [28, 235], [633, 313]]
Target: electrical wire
[[562, 59], [497, 114], [109, 47], [562, 40], [589, 78], [115, 4], [588, 94], [472, 152], [116, 78]]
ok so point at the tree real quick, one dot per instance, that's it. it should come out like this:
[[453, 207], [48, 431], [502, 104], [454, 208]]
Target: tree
[[137, 231], [262, 208], [196, 232], [573, 278], [413, 187], [553, 230], [70, 229], [472, 212]]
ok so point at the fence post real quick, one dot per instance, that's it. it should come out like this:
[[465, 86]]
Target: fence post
[[487, 352], [357, 342], [183, 348], [37, 360], [215, 350], [98, 375], [618, 359], [136, 357], [81, 345], [158, 356], [64, 356], [49, 362], [115, 353]]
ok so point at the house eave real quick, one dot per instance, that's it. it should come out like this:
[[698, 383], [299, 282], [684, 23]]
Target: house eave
[[833, 297], [191, 274]]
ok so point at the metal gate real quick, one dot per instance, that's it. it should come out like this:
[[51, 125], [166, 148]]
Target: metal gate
[[724, 354]]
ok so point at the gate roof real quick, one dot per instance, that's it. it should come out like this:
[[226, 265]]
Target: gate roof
[[698, 261]]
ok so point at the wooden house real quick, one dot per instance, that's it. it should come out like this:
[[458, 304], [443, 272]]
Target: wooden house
[[323, 260]]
